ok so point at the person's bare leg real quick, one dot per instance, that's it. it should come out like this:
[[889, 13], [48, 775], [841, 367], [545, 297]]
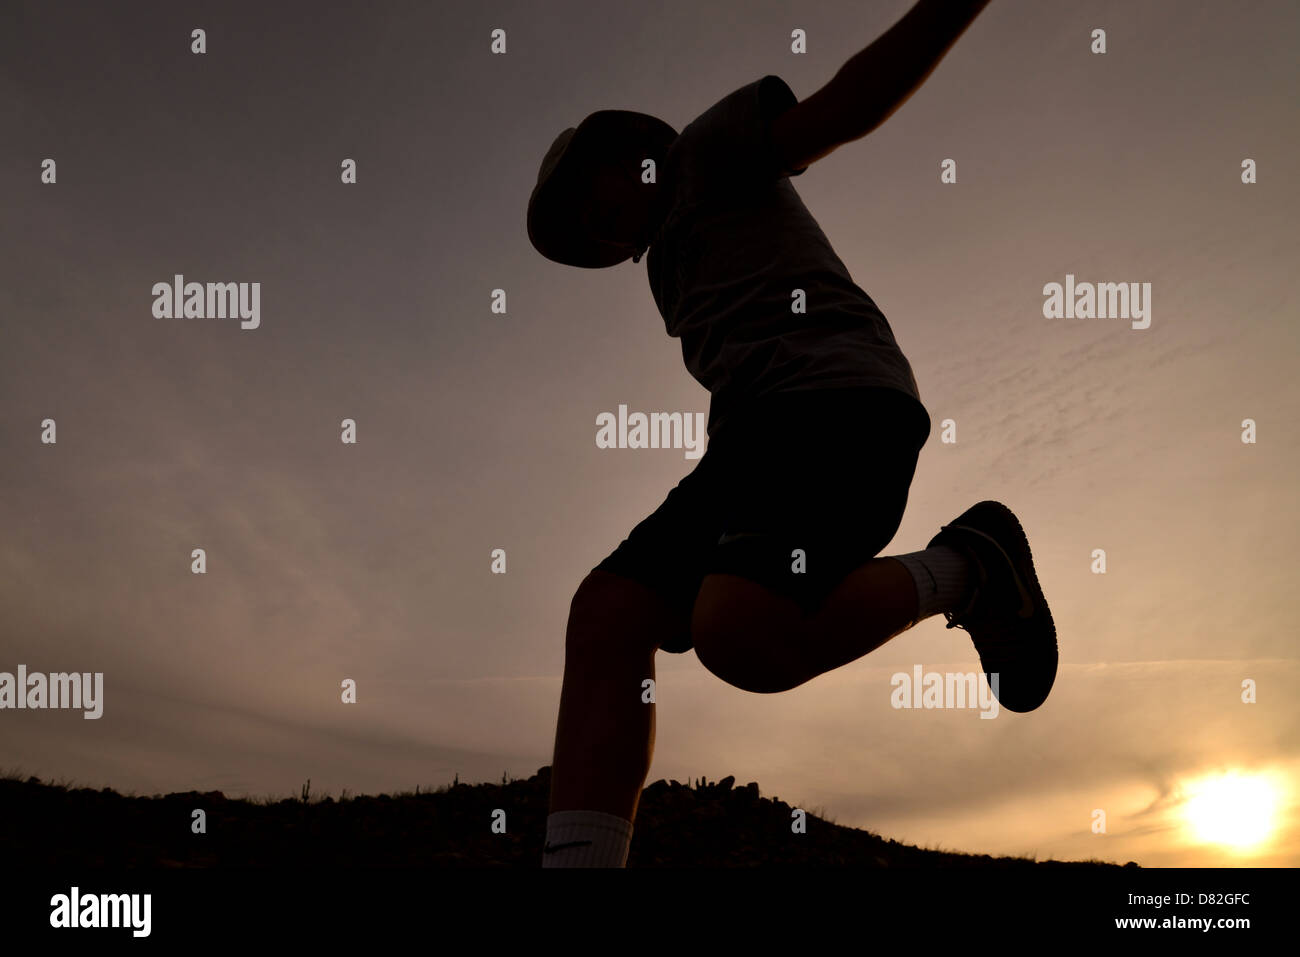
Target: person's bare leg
[[604, 737], [874, 603], [761, 641]]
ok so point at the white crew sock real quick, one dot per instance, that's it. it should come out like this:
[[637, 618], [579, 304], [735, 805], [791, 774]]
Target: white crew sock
[[586, 839], [945, 579]]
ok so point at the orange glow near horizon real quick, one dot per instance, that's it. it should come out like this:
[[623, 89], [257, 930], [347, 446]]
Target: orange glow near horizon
[[1235, 810]]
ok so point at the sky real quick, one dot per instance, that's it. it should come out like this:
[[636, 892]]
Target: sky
[[476, 430]]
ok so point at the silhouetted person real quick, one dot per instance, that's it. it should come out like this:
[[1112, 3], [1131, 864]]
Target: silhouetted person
[[763, 557]]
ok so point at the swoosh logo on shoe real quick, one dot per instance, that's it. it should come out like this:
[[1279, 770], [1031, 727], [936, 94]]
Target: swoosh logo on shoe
[[1027, 604], [552, 848], [728, 537]]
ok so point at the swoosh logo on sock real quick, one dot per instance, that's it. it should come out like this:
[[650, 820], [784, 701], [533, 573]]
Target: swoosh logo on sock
[[551, 848]]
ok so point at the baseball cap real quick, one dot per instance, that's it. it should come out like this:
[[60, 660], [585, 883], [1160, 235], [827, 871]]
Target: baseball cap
[[554, 211]]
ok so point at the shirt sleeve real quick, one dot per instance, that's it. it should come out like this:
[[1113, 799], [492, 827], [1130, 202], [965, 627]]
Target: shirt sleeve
[[775, 98], [730, 143]]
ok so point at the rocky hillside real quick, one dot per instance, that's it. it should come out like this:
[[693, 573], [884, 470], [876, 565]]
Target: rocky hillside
[[701, 824]]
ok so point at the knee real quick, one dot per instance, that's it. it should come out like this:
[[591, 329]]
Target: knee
[[610, 614], [742, 634]]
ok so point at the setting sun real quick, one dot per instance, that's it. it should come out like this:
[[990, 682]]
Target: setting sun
[[1232, 809]]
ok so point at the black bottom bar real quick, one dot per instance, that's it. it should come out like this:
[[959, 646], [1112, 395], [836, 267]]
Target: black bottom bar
[[614, 907]]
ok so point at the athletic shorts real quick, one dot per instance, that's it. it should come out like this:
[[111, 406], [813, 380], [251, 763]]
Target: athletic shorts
[[794, 492]]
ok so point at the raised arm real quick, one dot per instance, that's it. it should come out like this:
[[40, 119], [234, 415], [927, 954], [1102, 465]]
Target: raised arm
[[872, 84]]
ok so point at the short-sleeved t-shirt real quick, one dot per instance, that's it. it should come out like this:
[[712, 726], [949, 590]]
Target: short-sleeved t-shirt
[[735, 242]]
